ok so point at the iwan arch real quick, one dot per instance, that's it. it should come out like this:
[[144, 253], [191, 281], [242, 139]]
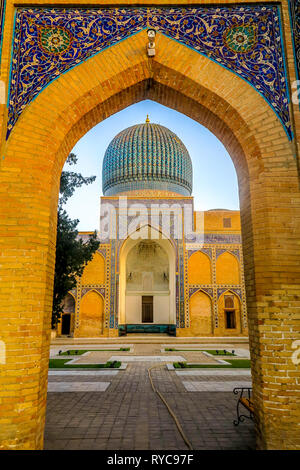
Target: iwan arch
[[266, 159]]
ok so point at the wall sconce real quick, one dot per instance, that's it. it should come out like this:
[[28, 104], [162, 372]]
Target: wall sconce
[[151, 44], [129, 277], [166, 277]]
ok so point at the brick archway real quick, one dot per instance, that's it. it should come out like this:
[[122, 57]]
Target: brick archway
[[269, 193]]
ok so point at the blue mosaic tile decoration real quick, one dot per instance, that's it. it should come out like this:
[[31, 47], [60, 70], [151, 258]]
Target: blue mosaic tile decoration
[[236, 290], [207, 290], [222, 238], [220, 251], [146, 156], [245, 39], [206, 251], [295, 26], [101, 290], [102, 251], [2, 12], [215, 238], [181, 311], [113, 313], [220, 292]]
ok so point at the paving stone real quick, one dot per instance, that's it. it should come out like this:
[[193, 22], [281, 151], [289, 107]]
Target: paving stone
[[77, 386], [215, 372], [214, 386], [78, 373]]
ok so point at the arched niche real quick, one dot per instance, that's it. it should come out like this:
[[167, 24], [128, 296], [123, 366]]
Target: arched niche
[[91, 317], [94, 272], [199, 268], [229, 311], [67, 321], [201, 322]]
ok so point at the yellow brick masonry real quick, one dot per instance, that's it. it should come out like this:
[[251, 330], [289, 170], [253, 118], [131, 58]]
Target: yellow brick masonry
[[31, 163]]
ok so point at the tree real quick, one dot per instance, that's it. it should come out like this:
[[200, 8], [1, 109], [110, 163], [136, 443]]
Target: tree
[[72, 254]]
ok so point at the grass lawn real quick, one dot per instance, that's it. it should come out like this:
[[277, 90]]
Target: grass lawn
[[214, 352], [78, 352], [234, 363], [61, 364]]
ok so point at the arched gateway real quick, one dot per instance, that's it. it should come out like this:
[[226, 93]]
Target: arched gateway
[[56, 95]]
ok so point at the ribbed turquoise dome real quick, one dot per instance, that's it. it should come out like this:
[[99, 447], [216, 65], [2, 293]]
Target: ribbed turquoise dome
[[146, 156]]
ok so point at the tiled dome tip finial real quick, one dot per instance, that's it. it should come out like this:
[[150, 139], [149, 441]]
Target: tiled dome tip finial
[[147, 118]]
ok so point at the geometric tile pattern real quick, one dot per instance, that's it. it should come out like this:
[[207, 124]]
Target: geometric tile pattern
[[220, 251], [245, 39], [242, 295], [207, 251], [96, 287], [215, 238], [236, 290], [208, 290]]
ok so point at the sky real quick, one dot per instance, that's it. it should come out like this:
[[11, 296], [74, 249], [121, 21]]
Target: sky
[[214, 177]]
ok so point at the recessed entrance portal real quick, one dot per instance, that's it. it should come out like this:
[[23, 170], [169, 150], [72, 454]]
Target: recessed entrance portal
[[147, 280], [147, 309]]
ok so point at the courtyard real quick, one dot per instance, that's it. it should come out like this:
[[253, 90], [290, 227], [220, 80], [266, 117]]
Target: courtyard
[[117, 409]]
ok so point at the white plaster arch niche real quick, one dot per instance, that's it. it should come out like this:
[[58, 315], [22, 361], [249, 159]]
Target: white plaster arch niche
[[164, 300]]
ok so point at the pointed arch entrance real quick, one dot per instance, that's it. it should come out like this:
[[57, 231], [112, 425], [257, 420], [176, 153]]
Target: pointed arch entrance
[[147, 269]]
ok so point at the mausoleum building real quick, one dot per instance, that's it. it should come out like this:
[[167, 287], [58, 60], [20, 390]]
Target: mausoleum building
[[162, 266]]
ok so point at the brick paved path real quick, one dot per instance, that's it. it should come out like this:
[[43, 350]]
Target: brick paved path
[[128, 415]]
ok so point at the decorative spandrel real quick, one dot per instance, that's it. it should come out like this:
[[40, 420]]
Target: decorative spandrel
[[244, 39]]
